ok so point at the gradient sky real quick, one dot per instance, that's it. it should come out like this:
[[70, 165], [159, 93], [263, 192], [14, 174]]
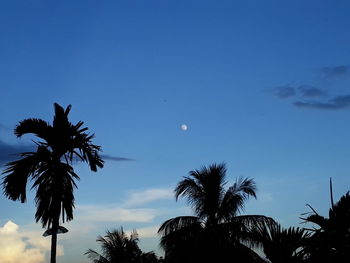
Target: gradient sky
[[262, 85]]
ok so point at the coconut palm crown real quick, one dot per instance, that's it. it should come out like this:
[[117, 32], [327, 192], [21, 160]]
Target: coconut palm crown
[[217, 211]]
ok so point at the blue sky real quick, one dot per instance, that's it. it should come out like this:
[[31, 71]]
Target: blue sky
[[262, 85]]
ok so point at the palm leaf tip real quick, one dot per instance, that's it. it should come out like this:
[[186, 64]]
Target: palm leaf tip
[[247, 186], [58, 109]]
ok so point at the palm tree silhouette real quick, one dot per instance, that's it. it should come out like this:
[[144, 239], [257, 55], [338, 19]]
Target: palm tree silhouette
[[118, 247], [280, 244], [217, 229], [50, 169], [330, 241]]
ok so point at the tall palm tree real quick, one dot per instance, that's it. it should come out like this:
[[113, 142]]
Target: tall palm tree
[[118, 247], [217, 229], [50, 168]]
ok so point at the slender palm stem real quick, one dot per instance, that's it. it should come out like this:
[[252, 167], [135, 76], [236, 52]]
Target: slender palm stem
[[54, 242]]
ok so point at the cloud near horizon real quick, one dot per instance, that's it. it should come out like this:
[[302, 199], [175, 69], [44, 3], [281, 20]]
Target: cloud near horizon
[[145, 232], [8, 152], [23, 246], [109, 213], [126, 211]]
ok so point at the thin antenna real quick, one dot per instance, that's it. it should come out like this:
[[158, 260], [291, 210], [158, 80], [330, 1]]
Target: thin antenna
[[331, 190]]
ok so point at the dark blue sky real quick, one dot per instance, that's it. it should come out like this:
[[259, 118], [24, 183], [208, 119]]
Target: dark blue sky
[[262, 86]]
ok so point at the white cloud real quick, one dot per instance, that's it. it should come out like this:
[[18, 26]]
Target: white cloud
[[146, 232], [149, 195], [123, 212], [103, 213], [23, 246], [9, 228]]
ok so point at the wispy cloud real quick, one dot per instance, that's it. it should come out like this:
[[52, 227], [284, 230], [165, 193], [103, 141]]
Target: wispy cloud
[[146, 232], [9, 152], [307, 91], [318, 96], [337, 71], [115, 158], [302, 91], [18, 246], [124, 212], [284, 92], [337, 103], [110, 213], [148, 195]]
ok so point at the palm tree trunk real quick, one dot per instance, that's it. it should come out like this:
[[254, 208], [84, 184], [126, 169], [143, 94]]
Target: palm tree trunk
[[54, 241], [56, 217]]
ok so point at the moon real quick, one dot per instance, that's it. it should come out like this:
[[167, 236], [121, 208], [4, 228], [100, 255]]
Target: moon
[[184, 127]]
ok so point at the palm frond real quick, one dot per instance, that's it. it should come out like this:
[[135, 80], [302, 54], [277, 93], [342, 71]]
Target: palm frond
[[96, 257], [17, 174], [253, 221], [55, 195], [232, 203], [246, 186], [242, 226], [178, 223], [203, 189], [341, 208], [35, 126], [234, 199], [81, 146], [193, 192], [318, 220], [280, 244], [185, 236]]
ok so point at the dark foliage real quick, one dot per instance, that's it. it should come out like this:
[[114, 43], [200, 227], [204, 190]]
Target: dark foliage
[[330, 241], [117, 247], [280, 244], [217, 231]]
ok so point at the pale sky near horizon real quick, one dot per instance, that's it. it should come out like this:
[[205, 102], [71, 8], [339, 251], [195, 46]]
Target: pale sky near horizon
[[263, 86]]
